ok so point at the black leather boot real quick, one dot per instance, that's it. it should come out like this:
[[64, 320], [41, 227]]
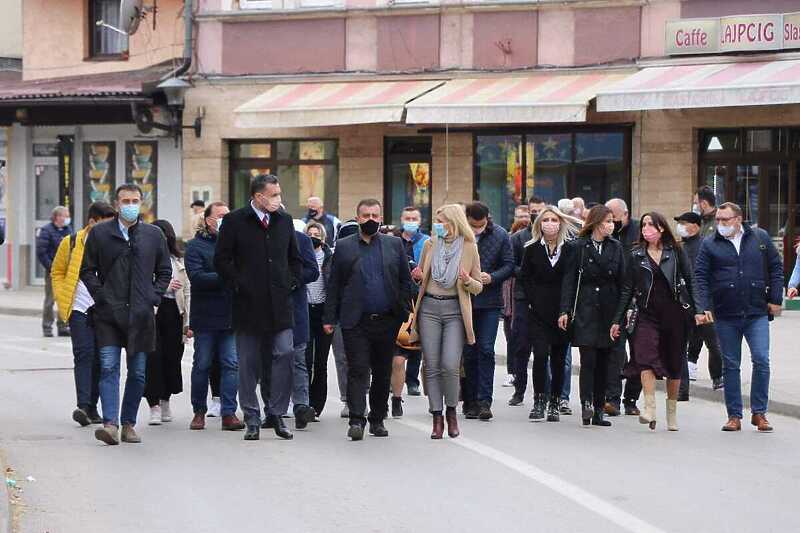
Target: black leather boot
[[537, 413], [597, 418], [280, 428]]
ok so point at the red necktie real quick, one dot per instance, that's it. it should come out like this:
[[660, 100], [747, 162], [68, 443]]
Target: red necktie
[[264, 222]]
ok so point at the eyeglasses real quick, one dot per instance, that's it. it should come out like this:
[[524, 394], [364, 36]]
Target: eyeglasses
[[726, 219]]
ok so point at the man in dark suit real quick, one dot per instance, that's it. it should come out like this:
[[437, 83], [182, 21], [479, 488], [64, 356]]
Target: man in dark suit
[[369, 295], [257, 255]]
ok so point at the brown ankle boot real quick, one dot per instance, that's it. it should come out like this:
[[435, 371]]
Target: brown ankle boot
[[438, 427], [452, 422], [761, 423], [733, 424], [198, 422]]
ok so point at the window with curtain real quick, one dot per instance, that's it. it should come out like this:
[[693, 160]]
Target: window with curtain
[[105, 41]]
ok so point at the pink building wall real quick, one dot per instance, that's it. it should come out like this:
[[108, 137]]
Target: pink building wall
[[718, 8], [514, 31], [606, 35], [408, 43]]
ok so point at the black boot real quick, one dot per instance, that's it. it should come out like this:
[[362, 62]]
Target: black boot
[[397, 407], [280, 428], [597, 418], [537, 413], [553, 410], [587, 411]]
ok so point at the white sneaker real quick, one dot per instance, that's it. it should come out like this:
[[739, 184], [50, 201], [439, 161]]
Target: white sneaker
[[216, 407], [509, 382], [345, 411], [155, 416], [692, 371], [166, 413]]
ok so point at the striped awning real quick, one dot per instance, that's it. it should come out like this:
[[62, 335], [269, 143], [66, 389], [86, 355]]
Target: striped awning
[[545, 97], [331, 104], [716, 85]]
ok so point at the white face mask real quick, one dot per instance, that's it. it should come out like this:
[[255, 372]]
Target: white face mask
[[682, 232], [696, 209], [726, 231]]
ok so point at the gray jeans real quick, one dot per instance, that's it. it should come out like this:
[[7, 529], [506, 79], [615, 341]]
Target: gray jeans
[[255, 351], [300, 388], [442, 336], [341, 362]]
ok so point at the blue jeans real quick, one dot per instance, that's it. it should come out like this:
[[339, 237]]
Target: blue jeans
[[300, 386], [109, 385], [567, 388], [755, 330], [210, 345], [479, 358], [87, 361]]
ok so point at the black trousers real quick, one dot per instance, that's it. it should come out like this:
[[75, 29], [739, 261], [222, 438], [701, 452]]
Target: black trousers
[[594, 372], [317, 350], [164, 376], [521, 345], [544, 351], [370, 348], [707, 334], [633, 385]]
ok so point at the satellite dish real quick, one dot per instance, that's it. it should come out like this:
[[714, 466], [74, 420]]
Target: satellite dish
[[131, 13]]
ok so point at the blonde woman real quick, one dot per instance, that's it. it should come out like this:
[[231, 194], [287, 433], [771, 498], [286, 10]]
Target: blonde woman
[[541, 274], [450, 275]]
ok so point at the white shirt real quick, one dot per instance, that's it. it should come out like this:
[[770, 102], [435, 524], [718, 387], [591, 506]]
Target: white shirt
[[737, 240], [124, 230], [83, 300], [261, 214], [554, 258], [170, 293]]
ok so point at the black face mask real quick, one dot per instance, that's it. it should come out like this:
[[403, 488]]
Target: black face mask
[[312, 213], [617, 226], [370, 227], [316, 241]]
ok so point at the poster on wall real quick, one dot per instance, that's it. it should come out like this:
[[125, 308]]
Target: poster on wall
[[141, 168], [99, 172]]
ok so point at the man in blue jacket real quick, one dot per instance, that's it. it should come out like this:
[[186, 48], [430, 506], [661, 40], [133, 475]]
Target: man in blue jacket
[[47, 242], [497, 265], [740, 277], [212, 323]]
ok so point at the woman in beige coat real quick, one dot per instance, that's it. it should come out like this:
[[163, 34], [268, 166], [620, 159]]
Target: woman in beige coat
[[450, 275]]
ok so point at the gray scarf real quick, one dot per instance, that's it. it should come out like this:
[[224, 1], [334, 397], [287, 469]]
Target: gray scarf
[[446, 261]]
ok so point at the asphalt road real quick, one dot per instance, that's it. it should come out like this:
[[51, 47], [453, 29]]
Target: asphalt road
[[504, 475]]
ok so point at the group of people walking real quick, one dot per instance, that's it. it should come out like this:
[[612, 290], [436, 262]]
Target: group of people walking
[[265, 297]]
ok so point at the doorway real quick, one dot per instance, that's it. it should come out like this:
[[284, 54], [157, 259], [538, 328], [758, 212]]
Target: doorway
[[407, 178]]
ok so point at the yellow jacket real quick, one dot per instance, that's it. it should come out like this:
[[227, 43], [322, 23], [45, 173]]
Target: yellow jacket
[[65, 271]]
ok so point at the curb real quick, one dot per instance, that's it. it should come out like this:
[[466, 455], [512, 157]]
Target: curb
[[20, 311], [705, 392], [5, 504]]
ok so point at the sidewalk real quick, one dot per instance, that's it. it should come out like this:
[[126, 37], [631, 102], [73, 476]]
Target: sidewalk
[[785, 365]]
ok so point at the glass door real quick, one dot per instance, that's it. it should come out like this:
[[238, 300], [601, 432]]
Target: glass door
[[46, 175], [407, 177]]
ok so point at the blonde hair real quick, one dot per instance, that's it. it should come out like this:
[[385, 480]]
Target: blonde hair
[[566, 226], [455, 215], [320, 227]]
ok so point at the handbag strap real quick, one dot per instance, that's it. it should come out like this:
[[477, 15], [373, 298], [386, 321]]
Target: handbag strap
[[578, 288]]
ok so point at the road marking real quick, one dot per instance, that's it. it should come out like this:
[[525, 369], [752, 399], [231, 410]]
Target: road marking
[[568, 490], [10, 348]]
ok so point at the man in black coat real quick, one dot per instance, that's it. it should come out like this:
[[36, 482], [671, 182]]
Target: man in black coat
[[47, 241], [257, 255], [369, 296], [626, 231], [126, 269]]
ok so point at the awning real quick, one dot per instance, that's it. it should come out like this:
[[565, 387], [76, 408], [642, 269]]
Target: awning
[[715, 85], [545, 97], [331, 104]]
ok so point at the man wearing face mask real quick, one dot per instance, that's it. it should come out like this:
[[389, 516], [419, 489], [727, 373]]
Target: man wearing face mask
[[257, 255], [688, 229], [47, 242], [740, 278], [212, 323], [317, 213], [369, 296], [626, 231], [126, 269], [705, 205]]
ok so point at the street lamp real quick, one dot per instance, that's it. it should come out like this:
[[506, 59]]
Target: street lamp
[[175, 91]]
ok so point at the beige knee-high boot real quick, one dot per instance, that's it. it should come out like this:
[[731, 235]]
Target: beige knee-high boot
[[648, 415], [672, 415]]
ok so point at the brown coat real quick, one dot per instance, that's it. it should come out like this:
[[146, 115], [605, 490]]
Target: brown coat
[[471, 262]]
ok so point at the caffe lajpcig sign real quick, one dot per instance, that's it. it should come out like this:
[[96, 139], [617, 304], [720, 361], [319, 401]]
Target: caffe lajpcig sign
[[733, 34]]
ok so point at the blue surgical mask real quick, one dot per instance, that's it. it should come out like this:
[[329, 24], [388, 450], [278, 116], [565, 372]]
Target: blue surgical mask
[[130, 212], [439, 230], [411, 227]]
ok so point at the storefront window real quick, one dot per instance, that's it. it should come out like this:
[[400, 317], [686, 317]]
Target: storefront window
[[592, 164], [498, 175], [99, 173], [141, 168], [716, 142], [304, 167]]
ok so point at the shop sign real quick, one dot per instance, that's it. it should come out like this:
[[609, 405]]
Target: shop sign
[[743, 33]]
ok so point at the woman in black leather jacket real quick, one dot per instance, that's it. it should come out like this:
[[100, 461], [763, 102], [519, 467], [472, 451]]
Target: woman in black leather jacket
[[659, 284], [590, 293]]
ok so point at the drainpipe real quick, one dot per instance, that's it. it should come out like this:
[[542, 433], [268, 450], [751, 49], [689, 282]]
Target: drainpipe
[[186, 62]]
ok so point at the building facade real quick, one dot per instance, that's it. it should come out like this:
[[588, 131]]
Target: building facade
[[71, 121], [426, 102]]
